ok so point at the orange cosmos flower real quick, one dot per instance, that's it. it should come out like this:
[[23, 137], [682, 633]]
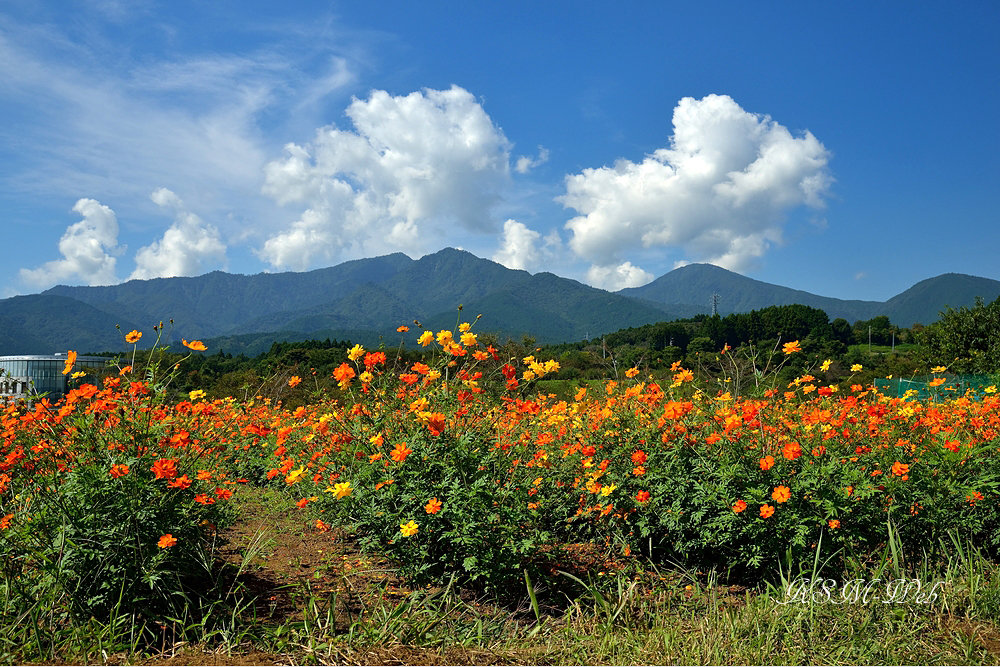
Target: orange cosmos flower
[[683, 376], [225, 494], [400, 452], [791, 347], [5, 521], [639, 457], [195, 345], [834, 524], [791, 451], [294, 381], [133, 336], [936, 382], [767, 463], [402, 329], [433, 506], [70, 360], [322, 526], [436, 423], [642, 496], [118, 470], [204, 474], [181, 482], [167, 541], [900, 469], [766, 511], [632, 372], [781, 494], [165, 469], [343, 374], [204, 499], [739, 506]]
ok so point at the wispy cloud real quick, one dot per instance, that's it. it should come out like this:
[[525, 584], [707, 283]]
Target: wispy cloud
[[87, 116]]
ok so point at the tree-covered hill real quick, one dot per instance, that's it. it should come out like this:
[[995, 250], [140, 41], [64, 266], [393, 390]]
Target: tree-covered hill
[[367, 299]]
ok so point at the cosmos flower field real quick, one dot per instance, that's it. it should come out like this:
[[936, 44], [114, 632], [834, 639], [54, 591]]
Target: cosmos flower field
[[457, 466]]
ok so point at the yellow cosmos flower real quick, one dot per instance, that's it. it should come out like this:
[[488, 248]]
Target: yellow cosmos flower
[[939, 369], [857, 367], [133, 336], [606, 490], [464, 326], [426, 338], [197, 394], [825, 366], [444, 337], [295, 475], [356, 353], [342, 490], [468, 339], [409, 529]]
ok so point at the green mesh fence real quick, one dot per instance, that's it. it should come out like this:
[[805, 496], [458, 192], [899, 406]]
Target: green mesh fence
[[953, 386]]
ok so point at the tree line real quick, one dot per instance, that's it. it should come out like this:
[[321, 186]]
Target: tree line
[[966, 340]]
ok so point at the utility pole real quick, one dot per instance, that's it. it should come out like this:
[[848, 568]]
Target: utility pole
[[715, 305]]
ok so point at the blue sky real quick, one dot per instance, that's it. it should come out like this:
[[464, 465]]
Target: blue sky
[[847, 149]]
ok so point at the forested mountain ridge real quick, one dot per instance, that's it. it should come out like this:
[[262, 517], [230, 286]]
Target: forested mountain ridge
[[738, 294], [368, 298]]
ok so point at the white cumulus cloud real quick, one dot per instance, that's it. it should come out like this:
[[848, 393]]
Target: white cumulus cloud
[[88, 248], [614, 278], [189, 247], [519, 247], [720, 192], [427, 164]]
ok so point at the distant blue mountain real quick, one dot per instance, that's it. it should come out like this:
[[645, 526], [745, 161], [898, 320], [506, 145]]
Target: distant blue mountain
[[363, 300]]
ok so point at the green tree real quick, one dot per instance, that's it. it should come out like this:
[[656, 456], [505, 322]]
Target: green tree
[[966, 340]]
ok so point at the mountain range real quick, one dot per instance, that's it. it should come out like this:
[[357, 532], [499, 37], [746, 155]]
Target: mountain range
[[367, 299]]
